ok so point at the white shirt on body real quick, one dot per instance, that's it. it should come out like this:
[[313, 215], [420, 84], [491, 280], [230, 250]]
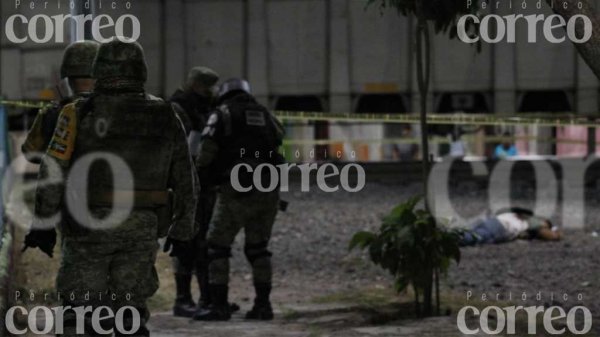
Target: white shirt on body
[[513, 224]]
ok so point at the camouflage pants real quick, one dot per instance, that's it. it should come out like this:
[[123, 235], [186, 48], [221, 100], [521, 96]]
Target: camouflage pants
[[199, 261], [255, 213], [198, 253], [115, 274]]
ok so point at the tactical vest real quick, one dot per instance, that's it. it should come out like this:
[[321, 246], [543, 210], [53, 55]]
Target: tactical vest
[[136, 129], [42, 130], [246, 125], [195, 109]]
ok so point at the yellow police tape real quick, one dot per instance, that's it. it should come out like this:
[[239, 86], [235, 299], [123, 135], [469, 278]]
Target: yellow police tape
[[25, 104], [530, 119], [535, 119], [433, 140]]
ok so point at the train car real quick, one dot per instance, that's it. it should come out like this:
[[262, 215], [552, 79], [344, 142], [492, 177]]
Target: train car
[[329, 56]]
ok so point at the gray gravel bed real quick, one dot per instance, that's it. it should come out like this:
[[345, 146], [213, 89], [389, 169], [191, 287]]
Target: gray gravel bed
[[311, 257]]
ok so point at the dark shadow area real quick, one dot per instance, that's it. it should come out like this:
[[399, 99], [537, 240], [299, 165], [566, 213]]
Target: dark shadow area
[[307, 103], [550, 101], [545, 101], [381, 103]]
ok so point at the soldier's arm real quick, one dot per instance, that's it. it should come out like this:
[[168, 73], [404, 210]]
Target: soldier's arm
[[54, 165], [207, 153], [183, 116], [181, 180], [209, 145]]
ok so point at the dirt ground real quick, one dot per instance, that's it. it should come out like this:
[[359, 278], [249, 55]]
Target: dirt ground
[[322, 289]]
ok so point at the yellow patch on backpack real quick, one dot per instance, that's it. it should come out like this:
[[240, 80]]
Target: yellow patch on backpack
[[63, 142]]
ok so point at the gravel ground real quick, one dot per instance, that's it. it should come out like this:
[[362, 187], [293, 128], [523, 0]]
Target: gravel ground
[[310, 242], [311, 257]]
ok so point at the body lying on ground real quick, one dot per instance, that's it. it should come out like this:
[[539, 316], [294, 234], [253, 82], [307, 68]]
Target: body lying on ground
[[509, 225]]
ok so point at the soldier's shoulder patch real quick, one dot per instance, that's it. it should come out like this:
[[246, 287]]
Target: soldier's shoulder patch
[[211, 126], [213, 119], [63, 141], [208, 132], [154, 98], [255, 118]]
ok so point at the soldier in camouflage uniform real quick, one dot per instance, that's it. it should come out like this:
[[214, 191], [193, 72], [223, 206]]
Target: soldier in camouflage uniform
[[76, 69], [119, 123], [239, 123], [194, 101], [195, 98]]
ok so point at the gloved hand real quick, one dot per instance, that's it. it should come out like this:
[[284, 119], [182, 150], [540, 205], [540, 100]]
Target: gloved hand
[[179, 249], [44, 239]]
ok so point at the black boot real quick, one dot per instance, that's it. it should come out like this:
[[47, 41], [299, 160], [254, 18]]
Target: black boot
[[184, 305], [234, 307], [262, 309], [219, 309], [204, 300]]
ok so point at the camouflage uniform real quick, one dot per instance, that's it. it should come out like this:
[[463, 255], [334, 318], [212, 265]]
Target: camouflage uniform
[[144, 132], [239, 123], [76, 63], [193, 109]]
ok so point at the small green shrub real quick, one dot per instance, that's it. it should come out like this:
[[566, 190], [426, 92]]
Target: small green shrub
[[415, 248]]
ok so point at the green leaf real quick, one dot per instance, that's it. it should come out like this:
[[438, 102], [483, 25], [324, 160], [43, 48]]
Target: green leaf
[[362, 240], [376, 250], [410, 244], [401, 284]]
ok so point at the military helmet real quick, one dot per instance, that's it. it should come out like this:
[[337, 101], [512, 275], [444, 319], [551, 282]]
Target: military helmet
[[78, 59], [123, 60], [202, 75], [234, 84]]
